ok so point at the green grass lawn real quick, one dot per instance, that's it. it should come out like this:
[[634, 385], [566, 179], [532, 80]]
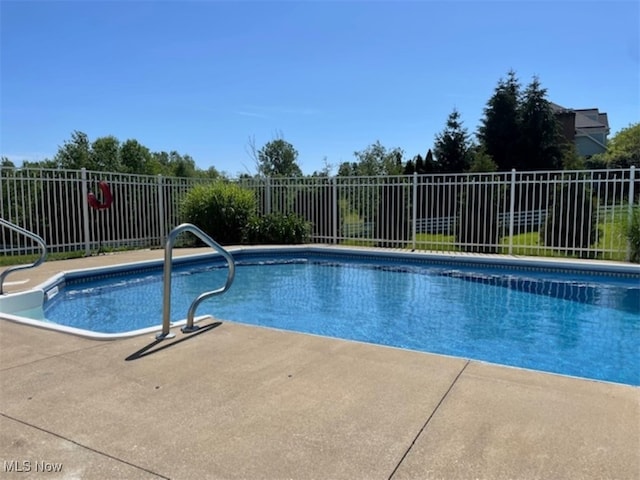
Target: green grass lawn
[[6, 260], [611, 242], [436, 242]]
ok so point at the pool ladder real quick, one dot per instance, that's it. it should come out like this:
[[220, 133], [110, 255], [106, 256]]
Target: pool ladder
[[32, 236], [168, 266]]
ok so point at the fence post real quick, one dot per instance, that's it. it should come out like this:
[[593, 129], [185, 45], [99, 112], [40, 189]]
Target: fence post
[[85, 212], [512, 203], [161, 214], [267, 196], [632, 178], [414, 208], [334, 208]]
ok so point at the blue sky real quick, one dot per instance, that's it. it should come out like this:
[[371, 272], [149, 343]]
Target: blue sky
[[333, 77]]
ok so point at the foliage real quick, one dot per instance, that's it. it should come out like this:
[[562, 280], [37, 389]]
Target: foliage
[[278, 158], [570, 158], [420, 166], [75, 153], [276, 228], [499, 130], [452, 146], [481, 161], [104, 154], [520, 129], [374, 160], [478, 229], [136, 158], [623, 149], [539, 131], [570, 224], [632, 232], [220, 209], [108, 154]]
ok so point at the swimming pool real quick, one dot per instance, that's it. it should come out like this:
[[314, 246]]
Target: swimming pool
[[560, 318]]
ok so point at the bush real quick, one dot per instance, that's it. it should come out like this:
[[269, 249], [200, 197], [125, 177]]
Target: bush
[[477, 229], [632, 231], [276, 228], [221, 210], [570, 224]]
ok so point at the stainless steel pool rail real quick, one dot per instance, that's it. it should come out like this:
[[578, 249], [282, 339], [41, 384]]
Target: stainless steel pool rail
[[168, 267], [32, 236]]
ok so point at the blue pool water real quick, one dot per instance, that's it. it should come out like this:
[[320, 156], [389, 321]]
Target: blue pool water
[[569, 324]]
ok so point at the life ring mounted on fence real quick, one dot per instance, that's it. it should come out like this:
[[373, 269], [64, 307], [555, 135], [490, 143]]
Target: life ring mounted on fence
[[106, 195]]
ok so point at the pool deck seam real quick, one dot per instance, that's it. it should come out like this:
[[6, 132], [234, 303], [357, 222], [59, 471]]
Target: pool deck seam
[[90, 449], [49, 357], [426, 423]]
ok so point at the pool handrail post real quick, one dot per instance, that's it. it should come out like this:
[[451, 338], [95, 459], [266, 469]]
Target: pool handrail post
[[168, 266], [32, 236]]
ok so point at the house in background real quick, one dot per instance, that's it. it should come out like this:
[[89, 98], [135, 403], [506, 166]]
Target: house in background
[[586, 128]]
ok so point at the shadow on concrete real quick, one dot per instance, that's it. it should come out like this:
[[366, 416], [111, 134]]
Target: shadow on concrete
[[149, 349]]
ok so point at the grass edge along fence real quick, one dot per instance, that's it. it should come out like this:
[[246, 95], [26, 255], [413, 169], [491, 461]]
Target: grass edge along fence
[[583, 214]]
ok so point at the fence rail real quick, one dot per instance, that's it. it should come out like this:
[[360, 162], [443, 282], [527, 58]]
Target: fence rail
[[580, 213]]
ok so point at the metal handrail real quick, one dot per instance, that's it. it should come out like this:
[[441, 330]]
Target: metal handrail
[[32, 236], [168, 266]]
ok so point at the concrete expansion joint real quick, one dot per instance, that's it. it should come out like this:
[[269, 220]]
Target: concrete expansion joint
[[49, 357], [424, 426], [93, 450]]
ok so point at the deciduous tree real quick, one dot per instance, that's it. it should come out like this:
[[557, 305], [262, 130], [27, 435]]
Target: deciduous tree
[[278, 158]]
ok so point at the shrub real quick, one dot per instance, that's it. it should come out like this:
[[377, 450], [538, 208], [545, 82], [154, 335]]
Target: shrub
[[276, 228], [477, 229], [570, 224], [221, 210], [632, 232]]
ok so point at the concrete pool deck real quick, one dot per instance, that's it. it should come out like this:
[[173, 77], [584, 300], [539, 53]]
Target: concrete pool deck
[[242, 402]]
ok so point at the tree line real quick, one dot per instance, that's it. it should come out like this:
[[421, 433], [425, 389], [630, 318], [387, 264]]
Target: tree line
[[519, 129], [108, 154]]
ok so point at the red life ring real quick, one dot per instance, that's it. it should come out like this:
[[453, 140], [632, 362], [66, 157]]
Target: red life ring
[[106, 193]]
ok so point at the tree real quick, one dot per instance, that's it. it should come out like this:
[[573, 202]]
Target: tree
[[539, 131], [75, 153], [376, 160], [571, 224], [181, 165], [452, 145], [481, 161], [105, 154], [136, 158], [410, 168], [623, 150], [278, 158], [420, 165], [499, 131]]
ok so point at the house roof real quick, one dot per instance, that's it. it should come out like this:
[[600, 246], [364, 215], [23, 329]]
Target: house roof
[[586, 118]]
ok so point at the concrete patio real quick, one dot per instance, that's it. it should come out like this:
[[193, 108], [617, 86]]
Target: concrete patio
[[243, 402]]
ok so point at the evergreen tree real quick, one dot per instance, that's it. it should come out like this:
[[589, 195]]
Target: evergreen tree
[[539, 132], [452, 146], [409, 168], [429, 163], [499, 131]]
